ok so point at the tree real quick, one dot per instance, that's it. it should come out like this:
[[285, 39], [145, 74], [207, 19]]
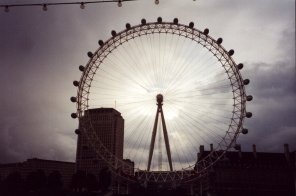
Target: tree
[[91, 182], [1, 187], [54, 181], [78, 182], [36, 181], [13, 184], [105, 179]]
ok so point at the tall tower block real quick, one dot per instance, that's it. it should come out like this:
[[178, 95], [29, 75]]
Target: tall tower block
[[109, 127]]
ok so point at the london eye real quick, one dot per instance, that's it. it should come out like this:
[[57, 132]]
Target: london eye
[[176, 87]]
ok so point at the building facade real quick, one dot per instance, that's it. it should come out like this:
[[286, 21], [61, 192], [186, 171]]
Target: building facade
[[249, 173], [108, 125], [66, 169]]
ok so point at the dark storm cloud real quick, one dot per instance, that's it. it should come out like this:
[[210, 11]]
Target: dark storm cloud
[[33, 118], [274, 110], [274, 88]]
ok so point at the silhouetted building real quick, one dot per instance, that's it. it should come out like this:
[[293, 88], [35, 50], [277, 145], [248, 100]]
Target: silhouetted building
[[109, 127], [128, 168], [250, 173], [66, 169]]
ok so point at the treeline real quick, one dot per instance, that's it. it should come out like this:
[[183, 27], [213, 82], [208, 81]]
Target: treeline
[[36, 183]]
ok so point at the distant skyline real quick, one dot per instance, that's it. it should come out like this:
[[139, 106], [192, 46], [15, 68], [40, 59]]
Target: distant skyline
[[40, 53]]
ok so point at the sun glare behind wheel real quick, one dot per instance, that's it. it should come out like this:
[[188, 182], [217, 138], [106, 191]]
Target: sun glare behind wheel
[[198, 99]]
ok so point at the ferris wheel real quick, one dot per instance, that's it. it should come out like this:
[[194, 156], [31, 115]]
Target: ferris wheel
[[176, 87]]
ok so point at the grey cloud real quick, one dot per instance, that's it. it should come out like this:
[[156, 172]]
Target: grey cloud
[[274, 109]]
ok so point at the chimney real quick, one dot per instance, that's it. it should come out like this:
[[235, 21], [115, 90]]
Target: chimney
[[239, 149], [201, 151], [211, 147], [254, 151], [287, 152]]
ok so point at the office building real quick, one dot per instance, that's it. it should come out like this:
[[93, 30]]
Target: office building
[[108, 125]]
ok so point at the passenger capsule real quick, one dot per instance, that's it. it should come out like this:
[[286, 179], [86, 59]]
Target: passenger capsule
[[6, 9], [75, 83], [81, 68], [230, 52], [113, 33], [219, 41], [82, 6], [90, 54], [159, 20], [240, 66], [77, 131], [143, 21], [245, 131], [44, 7], [176, 21], [191, 25], [206, 31], [101, 43], [128, 25], [246, 81], [74, 115], [249, 98], [119, 4], [249, 114], [73, 99]]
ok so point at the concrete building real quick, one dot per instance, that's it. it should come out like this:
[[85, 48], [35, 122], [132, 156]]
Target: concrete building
[[66, 169], [108, 125], [250, 173]]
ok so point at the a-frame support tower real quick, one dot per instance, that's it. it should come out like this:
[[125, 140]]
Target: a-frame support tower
[[159, 99]]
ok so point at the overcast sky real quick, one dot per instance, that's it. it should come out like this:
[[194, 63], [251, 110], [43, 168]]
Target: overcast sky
[[40, 53]]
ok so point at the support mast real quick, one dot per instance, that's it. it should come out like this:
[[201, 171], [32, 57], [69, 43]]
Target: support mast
[[159, 99]]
